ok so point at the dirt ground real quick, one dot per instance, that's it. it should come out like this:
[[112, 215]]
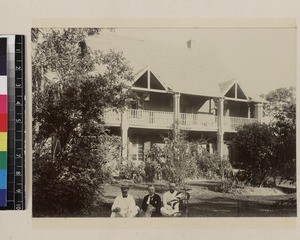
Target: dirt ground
[[206, 202]]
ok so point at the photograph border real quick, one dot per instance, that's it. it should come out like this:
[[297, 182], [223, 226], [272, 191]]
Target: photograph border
[[201, 223]]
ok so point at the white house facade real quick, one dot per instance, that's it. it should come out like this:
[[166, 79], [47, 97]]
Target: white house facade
[[178, 85]]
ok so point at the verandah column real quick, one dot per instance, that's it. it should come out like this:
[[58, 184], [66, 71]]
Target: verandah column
[[124, 133], [258, 112], [220, 134], [249, 110], [176, 109], [210, 148]]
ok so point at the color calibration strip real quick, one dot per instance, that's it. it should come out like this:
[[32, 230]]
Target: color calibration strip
[[15, 124], [3, 122]]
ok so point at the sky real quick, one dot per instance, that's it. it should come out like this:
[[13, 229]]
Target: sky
[[263, 59]]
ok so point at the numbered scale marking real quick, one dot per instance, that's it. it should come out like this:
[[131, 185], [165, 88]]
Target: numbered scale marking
[[16, 134]]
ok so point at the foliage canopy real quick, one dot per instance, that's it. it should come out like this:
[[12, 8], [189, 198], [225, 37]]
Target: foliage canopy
[[268, 151], [72, 87]]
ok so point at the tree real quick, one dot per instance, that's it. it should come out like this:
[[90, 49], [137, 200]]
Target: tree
[[267, 152], [255, 145], [285, 151], [70, 94], [282, 106], [281, 103]]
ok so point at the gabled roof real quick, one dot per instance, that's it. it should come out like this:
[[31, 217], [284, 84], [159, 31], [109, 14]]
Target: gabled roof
[[225, 86], [145, 70], [188, 71]]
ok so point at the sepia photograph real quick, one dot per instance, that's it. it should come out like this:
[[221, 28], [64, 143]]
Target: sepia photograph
[[164, 122]]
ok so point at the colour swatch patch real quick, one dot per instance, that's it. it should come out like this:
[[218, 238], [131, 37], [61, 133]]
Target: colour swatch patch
[[3, 122]]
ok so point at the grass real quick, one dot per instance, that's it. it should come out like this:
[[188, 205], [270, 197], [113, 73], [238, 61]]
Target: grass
[[206, 202]]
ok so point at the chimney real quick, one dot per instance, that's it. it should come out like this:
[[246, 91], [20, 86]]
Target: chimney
[[189, 44]]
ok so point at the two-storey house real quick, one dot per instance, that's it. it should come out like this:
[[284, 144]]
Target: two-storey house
[[182, 85]]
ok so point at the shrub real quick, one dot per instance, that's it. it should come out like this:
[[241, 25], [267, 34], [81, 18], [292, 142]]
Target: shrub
[[133, 171], [229, 185], [180, 162], [64, 187], [154, 164], [69, 183], [153, 170], [212, 165], [180, 159]]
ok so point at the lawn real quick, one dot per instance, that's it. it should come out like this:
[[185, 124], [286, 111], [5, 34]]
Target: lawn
[[206, 202]]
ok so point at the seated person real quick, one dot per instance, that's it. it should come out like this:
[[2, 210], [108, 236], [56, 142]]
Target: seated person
[[124, 204], [171, 201], [152, 201]]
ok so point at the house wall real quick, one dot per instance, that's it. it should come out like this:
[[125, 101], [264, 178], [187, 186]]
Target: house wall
[[157, 102], [137, 138], [192, 104], [164, 102], [141, 141], [238, 109]]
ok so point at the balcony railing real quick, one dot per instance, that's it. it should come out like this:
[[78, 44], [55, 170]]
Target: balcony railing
[[137, 117], [198, 121], [232, 123], [161, 119]]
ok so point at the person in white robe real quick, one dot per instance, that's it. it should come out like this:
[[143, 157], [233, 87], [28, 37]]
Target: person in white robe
[[170, 201], [124, 204]]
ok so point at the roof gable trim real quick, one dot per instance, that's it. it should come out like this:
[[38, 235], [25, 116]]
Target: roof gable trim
[[238, 91], [153, 81]]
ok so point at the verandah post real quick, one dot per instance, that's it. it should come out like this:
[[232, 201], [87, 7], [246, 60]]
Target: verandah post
[[176, 109], [258, 112], [220, 134], [124, 133]]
